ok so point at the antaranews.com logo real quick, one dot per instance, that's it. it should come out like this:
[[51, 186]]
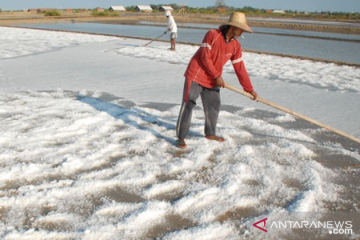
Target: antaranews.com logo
[[334, 227], [342, 228]]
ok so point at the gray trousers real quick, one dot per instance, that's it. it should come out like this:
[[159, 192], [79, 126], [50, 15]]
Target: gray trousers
[[211, 104]]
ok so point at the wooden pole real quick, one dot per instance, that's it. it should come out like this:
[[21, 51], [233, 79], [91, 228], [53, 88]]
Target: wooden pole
[[271, 104], [155, 38]]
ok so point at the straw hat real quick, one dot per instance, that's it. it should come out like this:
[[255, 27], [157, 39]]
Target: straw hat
[[238, 19]]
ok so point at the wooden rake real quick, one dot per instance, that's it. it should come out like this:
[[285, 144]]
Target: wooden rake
[[271, 104], [155, 39]]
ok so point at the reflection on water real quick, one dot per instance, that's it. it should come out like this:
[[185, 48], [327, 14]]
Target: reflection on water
[[299, 46]]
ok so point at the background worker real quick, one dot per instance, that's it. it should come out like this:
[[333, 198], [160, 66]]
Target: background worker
[[172, 28]]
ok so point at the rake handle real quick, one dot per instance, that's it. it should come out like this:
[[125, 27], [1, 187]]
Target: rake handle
[[283, 109], [156, 38]]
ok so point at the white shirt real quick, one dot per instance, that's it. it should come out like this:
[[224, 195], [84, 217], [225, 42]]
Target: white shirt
[[171, 24]]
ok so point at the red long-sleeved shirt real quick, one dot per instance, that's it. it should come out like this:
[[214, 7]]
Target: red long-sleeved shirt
[[208, 62]]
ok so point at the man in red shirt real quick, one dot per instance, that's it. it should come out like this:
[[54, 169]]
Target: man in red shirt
[[204, 76]]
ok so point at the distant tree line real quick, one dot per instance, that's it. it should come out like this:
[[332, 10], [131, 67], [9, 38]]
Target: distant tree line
[[247, 9], [220, 6]]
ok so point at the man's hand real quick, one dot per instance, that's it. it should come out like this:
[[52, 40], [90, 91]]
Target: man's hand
[[255, 95], [220, 82]]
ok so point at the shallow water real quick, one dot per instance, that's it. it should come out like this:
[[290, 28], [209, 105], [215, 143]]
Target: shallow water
[[333, 49], [301, 33]]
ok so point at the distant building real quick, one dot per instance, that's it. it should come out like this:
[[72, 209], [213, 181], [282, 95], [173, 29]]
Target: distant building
[[117, 8], [221, 9], [279, 11], [99, 9], [143, 8], [166, 8]]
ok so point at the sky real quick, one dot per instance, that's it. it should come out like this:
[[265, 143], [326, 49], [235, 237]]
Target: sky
[[304, 5]]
